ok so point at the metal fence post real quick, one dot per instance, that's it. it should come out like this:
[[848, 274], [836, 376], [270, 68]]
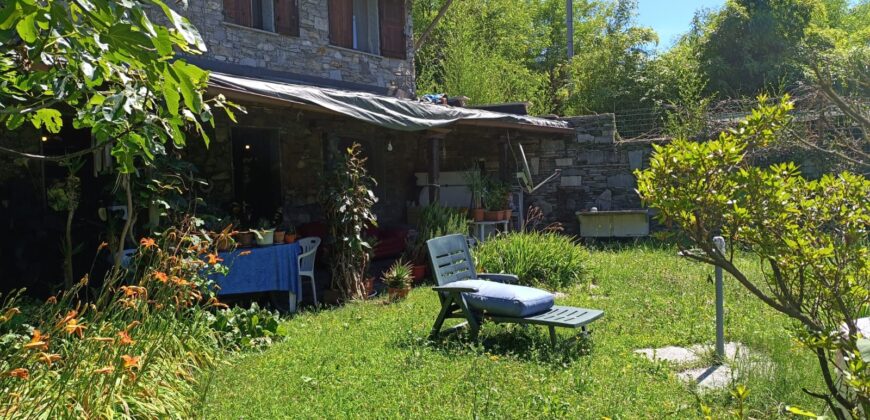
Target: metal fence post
[[719, 242]]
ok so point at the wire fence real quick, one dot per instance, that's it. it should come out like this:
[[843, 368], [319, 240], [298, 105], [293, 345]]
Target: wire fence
[[660, 122]]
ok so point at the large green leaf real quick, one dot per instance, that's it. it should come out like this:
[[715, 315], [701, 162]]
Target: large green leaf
[[26, 28], [48, 118]]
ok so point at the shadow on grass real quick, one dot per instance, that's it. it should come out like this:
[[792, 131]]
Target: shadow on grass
[[517, 342]]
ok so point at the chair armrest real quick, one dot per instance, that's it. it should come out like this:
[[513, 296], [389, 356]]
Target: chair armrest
[[449, 288], [501, 278]]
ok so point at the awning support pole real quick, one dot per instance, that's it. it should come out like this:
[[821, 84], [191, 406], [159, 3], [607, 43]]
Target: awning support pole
[[435, 167]]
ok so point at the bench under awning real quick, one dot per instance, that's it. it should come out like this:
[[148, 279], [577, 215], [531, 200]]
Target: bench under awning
[[385, 111]]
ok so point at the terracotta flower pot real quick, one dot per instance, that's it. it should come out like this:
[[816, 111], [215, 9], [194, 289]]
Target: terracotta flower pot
[[396, 294], [507, 214], [245, 239], [491, 215], [419, 272], [477, 214], [279, 237], [289, 238]]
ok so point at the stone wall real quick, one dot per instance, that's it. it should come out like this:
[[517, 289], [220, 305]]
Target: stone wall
[[596, 170], [309, 53], [304, 146]]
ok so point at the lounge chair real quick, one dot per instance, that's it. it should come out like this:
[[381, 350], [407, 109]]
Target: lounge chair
[[477, 297]]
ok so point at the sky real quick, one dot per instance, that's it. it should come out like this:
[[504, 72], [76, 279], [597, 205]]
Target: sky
[[670, 18]]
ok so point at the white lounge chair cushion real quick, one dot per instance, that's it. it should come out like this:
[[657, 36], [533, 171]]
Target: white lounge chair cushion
[[506, 299]]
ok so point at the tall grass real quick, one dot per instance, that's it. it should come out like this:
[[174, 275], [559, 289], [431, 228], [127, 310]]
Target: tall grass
[[547, 259], [133, 348]]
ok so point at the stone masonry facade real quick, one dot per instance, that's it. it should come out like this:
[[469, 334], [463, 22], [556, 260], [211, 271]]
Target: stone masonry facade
[[310, 53]]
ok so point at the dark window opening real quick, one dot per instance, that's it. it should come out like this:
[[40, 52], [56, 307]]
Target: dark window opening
[[256, 169]]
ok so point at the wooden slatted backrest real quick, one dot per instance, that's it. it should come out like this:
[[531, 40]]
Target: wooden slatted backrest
[[341, 23], [392, 20], [451, 260]]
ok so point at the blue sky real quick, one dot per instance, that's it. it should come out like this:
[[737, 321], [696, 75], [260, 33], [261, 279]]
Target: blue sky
[[670, 18]]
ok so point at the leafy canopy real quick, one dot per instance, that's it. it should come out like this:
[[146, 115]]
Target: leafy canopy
[[105, 64]]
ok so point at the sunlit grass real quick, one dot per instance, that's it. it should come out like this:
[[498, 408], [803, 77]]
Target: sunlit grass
[[371, 360]]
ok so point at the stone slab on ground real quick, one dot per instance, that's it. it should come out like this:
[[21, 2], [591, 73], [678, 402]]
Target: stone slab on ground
[[707, 378]]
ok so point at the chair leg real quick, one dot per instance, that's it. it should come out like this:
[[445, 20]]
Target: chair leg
[[473, 322], [442, 315], [552, 335], [314, 291]]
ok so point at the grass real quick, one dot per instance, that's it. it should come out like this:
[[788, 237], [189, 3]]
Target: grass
[[370, 360]]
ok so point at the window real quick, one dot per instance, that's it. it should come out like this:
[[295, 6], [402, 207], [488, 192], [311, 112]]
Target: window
[[281, 16], [373, 26]]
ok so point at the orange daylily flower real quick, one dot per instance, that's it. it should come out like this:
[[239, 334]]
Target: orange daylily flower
[[134, 291], [179, 281], [161, 276], [74, 327], [105, 370], [20, 373], [49, 358], [214, 259], [130, 362], [9, 314], [217, 304], [69, 315], [125, 339], [147, 243], [38, 341]]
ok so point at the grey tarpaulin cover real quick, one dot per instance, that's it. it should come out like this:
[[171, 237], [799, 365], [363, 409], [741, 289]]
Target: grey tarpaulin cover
[[385, 111]]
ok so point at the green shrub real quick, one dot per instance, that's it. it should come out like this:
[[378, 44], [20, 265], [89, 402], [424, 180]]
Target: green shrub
[[242, 328], [543, 259]]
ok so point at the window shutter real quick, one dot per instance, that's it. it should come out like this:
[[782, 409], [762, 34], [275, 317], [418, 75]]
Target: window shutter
[[341, 23], [392, 18], [287, 17], [238, 12]]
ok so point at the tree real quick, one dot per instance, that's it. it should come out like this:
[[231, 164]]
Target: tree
[[107, 66], [752, 44], [810, 236]]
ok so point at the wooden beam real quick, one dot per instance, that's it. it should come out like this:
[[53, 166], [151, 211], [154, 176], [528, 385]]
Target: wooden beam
[[435, 140], [432, 25]]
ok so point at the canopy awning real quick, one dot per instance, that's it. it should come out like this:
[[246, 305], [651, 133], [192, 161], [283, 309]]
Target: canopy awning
[[385, 111]]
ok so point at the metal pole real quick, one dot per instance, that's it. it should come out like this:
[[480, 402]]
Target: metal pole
[[719, 242], [569, 22]]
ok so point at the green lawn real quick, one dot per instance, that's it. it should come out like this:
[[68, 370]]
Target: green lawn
[[371, 360]]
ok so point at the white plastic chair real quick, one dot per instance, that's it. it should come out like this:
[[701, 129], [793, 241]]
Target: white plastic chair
[[305, 262]]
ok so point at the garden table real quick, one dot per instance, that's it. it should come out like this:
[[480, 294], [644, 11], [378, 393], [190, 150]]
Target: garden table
[[479, 229], [272, 268]]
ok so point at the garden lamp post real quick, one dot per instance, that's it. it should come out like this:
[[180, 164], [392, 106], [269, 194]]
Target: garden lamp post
[[719, 242]]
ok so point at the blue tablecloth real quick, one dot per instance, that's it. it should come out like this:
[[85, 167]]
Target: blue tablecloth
[[266, 269]]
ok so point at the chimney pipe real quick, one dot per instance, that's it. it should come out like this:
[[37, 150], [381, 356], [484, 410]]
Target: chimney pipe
[[569, 22]]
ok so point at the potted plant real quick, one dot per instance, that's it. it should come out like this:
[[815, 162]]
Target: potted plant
[[494, 202], [398, 280], [266, 233], [290, 234], [477, 185], [278, 222], [435, 221]]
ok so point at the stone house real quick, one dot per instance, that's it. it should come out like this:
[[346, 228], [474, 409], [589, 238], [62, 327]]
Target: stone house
[[366, 46], [314, 76]]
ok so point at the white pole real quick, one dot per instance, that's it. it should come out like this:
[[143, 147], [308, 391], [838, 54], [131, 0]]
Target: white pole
[[719, 242]]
